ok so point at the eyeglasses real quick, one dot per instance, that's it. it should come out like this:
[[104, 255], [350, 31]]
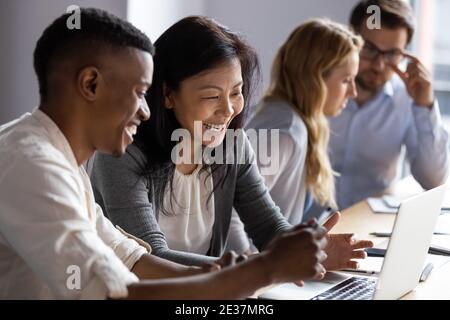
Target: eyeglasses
[[372, 52]]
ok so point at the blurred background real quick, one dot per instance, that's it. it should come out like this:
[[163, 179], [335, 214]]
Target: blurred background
[[264, 23]]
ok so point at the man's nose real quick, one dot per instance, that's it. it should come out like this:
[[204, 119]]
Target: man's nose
[[144, 111], [379, 63]]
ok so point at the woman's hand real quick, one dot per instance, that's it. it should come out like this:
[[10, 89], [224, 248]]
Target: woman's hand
[[343, 248], [228, 259]]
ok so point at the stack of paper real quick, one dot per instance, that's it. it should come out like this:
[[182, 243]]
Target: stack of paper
[[390, 204], [377, 205]]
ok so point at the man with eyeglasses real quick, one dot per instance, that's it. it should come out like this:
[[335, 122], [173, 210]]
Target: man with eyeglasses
[[394, 109]]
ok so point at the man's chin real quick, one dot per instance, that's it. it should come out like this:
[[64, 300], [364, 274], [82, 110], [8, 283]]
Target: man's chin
[[113, 149], [370, 85], [118, 152]]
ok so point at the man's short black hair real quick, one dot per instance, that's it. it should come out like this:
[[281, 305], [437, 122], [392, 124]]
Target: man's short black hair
[[394, 14], [99, 30]]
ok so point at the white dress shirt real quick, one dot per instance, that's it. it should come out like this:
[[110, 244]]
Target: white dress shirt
[[189, 220], [55, 242]]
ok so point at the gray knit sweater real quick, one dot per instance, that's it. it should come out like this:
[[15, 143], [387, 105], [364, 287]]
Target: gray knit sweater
[[123, 192]]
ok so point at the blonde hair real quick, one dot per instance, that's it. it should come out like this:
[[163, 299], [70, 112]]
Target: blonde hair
[[310, 53]]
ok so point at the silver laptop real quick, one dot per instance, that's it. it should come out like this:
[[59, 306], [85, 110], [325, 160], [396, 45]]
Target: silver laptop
[[402, 266]]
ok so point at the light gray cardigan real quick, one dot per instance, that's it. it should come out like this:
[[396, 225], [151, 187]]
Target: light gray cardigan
[[124, 194]]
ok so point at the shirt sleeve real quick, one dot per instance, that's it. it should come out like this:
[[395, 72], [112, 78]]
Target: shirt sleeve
[[45, 221], [261, 217], [427, 147], [285, 154], [127, 247]]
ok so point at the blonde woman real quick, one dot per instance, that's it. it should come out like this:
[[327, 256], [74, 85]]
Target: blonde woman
[[312, 78]]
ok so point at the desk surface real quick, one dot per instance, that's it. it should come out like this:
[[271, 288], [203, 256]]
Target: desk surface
[[361, 220]]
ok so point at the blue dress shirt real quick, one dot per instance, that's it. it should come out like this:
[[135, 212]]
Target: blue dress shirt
[[366, 143]]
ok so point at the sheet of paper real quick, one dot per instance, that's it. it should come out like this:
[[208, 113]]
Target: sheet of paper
[[377, 205], [394, 202], [443, 225], [380, 205]]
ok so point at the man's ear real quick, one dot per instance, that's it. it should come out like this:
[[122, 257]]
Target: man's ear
[[88, 80], [168, 97]]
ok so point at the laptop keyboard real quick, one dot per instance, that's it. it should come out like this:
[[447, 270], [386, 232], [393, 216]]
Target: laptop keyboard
[[354, 288]]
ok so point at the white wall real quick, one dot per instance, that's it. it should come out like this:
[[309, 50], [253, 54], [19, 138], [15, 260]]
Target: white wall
[[267, 23], [21, 24], [153, 17]]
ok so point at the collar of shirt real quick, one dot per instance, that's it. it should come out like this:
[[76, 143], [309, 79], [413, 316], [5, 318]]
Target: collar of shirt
[[56, 136], [386, 91]]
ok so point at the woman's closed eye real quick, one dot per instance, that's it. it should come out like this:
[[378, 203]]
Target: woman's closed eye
[[210, 98], [237, 94], [142, 94], [348, 80]]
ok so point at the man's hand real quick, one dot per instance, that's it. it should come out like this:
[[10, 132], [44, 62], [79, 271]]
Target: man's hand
[[298, 254], [418, 81], [342, 248]]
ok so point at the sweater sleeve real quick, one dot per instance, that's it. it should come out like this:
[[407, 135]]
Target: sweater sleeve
[[237, 237]]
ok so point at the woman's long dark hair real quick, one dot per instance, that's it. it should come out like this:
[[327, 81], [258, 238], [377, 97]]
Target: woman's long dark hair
[[189, 47]]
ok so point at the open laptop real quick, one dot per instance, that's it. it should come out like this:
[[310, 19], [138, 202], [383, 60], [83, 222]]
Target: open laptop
[[402, 266]]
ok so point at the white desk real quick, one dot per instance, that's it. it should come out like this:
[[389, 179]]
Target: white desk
[[361, 220]]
